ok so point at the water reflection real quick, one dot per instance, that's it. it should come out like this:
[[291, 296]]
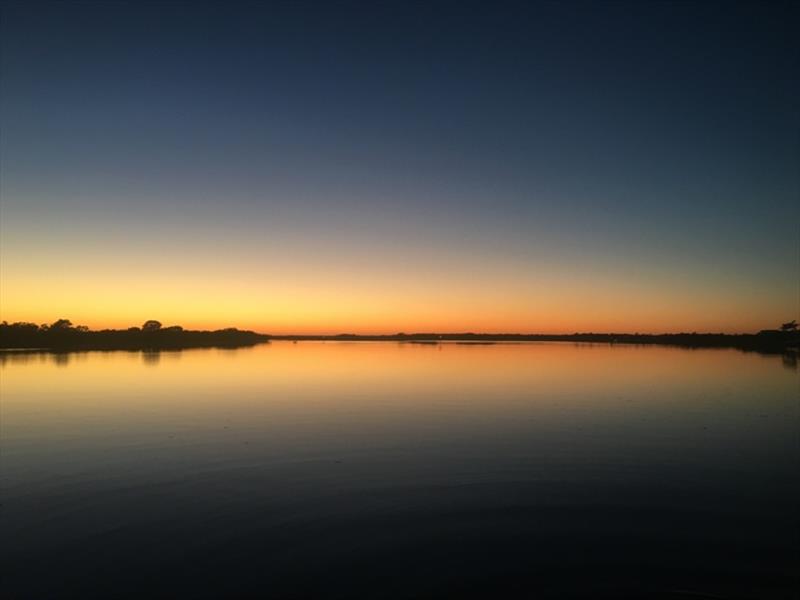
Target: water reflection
[[151, 358], [381, 469]]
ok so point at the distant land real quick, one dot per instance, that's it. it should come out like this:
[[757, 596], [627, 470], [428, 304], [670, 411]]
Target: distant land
[[62, 335]]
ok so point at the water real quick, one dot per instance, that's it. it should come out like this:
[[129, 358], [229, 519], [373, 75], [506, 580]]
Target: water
[[400, 470]]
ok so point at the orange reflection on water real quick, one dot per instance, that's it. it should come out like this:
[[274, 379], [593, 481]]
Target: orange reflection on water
[[381, 385]]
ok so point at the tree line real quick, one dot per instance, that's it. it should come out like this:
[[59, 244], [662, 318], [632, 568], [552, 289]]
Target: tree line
[[62, 334]]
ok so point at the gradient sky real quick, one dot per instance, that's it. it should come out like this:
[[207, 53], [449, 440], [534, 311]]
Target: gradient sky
[[380, 167]]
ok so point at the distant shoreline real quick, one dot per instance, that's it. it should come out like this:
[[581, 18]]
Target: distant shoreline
[[765, 341], [59, 337]]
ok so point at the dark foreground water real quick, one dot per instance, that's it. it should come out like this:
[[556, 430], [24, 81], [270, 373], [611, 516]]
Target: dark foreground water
[[343, 470]]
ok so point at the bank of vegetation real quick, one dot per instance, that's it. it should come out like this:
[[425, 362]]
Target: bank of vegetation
[[63, 335]]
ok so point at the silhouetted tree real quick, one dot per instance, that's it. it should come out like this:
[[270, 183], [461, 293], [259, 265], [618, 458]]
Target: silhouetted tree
[[61, 325], [151, 325], [790, 326]]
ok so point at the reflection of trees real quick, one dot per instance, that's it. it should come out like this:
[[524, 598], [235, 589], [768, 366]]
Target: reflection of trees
[[61, 359], [14, 357], [151, 357]]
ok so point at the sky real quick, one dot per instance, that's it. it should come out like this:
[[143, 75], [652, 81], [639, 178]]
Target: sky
[[380, 167]]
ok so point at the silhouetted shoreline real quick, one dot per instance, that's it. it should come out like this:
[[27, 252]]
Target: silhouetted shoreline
[[765, 341], [62, 336]]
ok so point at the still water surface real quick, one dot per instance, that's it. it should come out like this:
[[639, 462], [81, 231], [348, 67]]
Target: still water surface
[[400, 470]]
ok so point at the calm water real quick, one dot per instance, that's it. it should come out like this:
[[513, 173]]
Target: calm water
[[380, 469]]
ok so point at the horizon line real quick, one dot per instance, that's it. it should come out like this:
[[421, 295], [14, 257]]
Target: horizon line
[[410, 333]]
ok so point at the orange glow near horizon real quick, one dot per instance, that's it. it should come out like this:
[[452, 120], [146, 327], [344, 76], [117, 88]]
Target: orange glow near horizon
[[345, 286], [378, 308]]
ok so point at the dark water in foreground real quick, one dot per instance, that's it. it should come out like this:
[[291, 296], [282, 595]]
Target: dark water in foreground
[[386, 470]]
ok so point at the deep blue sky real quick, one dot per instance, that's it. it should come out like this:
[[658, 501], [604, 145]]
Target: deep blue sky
[[644, 147]]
